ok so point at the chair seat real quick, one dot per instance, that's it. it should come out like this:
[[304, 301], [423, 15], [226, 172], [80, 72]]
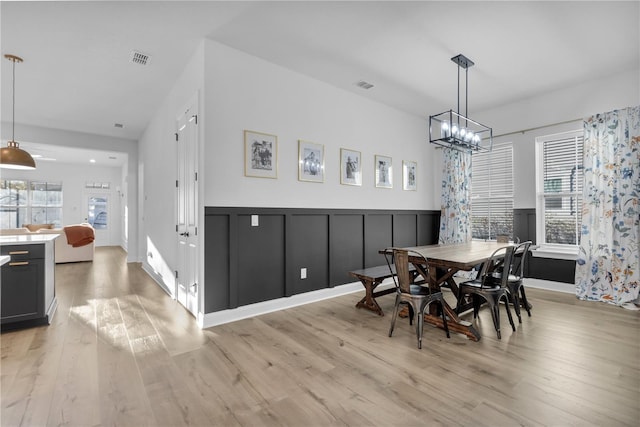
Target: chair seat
[[478, 284], [419, 290]]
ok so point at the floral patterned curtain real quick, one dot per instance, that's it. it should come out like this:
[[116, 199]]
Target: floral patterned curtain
[[455, 218], [608, 267]]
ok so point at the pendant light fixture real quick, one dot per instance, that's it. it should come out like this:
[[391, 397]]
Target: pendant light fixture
[[451, 129], [12, 156]]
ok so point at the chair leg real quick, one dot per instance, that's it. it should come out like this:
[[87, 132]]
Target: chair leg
[[513, 294], [412, 313], [525, 302], [495, 314], [506, 304], [396, 310], [420, 327], [476, 305], [444, 319]]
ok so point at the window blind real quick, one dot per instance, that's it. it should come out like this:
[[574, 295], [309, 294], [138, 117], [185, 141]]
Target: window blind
[[562, 181], [492, 192]]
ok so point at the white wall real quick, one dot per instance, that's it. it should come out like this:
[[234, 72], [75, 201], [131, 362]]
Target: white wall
[[73, 178], [157, 176], [246, 92], [128, 180], [548, 114]]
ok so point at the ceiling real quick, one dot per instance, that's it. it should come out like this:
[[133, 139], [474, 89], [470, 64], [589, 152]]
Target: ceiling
[[77, 73]]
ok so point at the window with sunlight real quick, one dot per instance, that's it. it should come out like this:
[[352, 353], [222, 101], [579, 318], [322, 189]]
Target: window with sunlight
[[559, 179], [492, 192]]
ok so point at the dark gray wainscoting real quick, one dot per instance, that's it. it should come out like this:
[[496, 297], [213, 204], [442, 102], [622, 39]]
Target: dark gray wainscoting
[[557, 270], [247, 264]]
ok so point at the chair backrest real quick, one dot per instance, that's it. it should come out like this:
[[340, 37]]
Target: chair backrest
[[519, 257], [398, 262], [500, 260]]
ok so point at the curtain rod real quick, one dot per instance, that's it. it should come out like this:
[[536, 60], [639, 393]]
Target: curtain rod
[[536, 128]]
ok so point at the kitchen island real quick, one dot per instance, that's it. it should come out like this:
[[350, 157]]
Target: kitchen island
[[28, 280]]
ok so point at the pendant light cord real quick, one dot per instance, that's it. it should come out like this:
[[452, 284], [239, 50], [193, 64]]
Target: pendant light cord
[[13, 121]]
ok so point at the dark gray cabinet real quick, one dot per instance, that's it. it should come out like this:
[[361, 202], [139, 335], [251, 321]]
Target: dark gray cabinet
[[23, 284]]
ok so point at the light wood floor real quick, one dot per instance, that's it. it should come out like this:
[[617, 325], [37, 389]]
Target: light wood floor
[[120, 352]]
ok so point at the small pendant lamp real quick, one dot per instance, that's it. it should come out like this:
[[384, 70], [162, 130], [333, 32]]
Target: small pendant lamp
[[12, 156]]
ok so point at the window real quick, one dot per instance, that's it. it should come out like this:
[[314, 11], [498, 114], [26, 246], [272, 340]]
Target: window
[[492, 192], [30, 202], [559, 177]]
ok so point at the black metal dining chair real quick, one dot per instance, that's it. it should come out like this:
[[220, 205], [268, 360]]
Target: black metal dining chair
[[515, 281], [486, 286], [417, 298]]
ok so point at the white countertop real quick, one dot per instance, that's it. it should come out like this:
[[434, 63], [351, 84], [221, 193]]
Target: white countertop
[[4, 259], [26, 239]]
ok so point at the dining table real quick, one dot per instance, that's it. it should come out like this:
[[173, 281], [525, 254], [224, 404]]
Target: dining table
[[443, 262]]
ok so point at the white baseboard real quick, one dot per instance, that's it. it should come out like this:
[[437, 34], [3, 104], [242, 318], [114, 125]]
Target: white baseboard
[[568, 288], [231, 315], [155, 278], [245, 311]]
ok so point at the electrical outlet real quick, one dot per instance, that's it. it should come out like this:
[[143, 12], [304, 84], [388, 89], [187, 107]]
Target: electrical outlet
[[303, 273]]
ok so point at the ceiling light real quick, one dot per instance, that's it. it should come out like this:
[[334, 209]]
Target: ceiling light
[[12, 156], [451, 129], [92, 160]]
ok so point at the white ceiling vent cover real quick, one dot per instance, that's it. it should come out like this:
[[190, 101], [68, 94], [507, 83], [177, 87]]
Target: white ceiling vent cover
[[139, 58], [364, 85]]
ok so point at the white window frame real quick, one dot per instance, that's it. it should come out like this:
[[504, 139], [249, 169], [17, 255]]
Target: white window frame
[[544, 249], [30, 205]]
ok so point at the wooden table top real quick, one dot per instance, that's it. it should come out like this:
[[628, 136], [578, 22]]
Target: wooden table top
[[462, 256]]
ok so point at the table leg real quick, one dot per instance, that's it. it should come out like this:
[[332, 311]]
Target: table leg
[[368, 301], [454, 323]]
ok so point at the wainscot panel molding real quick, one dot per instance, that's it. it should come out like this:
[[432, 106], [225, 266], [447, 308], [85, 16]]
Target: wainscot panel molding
[[254, 255], [555, 270]]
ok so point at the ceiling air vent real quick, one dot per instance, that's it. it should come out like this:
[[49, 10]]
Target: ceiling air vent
[[364, 85], [139, 58]]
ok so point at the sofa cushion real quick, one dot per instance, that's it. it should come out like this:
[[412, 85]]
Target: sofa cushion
[[36, 227]]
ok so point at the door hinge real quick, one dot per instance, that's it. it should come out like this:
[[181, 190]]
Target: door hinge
[[196, 231], [177, 185], [176, 228], [196, 176], [176, 274], [176, 136], [195, 116]]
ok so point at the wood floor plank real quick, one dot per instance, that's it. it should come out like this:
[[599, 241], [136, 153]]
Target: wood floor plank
[[120, 352]]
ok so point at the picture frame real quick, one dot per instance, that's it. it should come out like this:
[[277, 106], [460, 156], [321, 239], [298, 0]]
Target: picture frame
[[260, 154], [350, 167], [409, 175], [383, 171], [310, 161]]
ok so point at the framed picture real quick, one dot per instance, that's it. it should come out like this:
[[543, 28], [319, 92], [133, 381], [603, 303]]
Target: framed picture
[[260, 154], [409, 177], [383, 171], [350, 167], [310, 161]]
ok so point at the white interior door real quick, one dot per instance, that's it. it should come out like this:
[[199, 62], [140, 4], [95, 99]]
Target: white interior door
[[187, 287]]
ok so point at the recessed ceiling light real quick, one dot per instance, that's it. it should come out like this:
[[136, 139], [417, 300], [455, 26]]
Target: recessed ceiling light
[[92, 160], [113, 158], [118, 125]]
